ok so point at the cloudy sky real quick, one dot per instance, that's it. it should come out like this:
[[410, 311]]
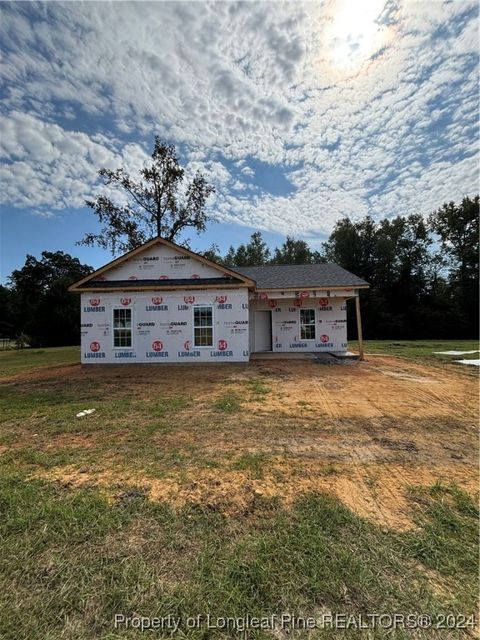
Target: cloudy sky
[[300, 113]]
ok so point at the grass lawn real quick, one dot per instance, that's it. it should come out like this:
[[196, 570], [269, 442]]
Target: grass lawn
[[421, 349], [18, 360], [231, 490]]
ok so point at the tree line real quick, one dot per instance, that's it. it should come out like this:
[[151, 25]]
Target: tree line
[[423, 276], [423, 273]]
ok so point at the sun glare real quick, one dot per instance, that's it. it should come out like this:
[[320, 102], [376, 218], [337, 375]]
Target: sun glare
[[353, 34]]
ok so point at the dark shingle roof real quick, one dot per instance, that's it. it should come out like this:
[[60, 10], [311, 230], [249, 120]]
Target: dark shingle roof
[[157, 284], [290, 276]]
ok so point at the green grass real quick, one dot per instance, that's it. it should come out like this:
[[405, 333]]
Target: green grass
[[228, 403], [252, 462], [165, 406], [71, 561], [17, 360], [420, 349], [258, 387]]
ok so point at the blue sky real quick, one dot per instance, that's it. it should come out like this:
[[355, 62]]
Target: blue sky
[[299, 113]]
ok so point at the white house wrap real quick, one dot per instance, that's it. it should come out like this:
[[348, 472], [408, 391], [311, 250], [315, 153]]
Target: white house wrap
[[162, 303]]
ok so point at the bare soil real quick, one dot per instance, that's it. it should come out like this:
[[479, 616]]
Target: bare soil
[[364, 432]]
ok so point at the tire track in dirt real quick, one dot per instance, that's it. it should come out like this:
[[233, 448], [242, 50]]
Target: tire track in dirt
[[433, 402], [325, 399]]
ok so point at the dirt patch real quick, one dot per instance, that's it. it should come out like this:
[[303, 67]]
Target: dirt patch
[[375, 491], [363, 432], [70, 440]]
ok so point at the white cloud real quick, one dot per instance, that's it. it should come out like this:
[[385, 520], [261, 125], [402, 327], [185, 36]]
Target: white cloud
[[296, 87], [53, 168]]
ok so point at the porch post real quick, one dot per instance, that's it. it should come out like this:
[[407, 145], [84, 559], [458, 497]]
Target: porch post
[[359, 326]]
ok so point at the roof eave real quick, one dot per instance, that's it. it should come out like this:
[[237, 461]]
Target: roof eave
[[316, 287], [159, 287]]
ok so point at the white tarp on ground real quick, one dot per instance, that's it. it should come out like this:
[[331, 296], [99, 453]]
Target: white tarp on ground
[[474, 362], [456, 353]]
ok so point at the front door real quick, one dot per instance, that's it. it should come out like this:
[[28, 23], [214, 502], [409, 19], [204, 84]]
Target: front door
[[263, 331]]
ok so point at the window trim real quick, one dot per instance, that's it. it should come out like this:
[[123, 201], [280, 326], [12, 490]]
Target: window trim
[[113, 327], [314, 324], [212, 307]]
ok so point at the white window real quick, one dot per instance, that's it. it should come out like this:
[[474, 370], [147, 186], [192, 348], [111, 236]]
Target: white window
[[307, 324], [122, 327], [203, 326]]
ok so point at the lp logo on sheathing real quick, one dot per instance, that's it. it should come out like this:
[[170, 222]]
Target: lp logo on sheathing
[[157, 345], [94, 347]]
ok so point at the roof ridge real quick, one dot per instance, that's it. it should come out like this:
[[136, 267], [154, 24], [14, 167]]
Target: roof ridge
[[303, 264]]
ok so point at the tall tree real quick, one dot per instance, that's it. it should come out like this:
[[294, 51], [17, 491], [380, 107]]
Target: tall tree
[[229, 258], [212, 253], [42, 306], [457, 227], [159, 202], [293, 252], [254, 253], [257, 252], [344, 246], [7, 313]]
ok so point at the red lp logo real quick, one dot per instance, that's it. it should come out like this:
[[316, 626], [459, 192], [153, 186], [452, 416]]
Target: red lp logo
[[297, 302], [221, 299], [187, 345], [94, 302], [189, 299], [157, 345], [164, 278], [125, 301], [94, 347], [303, 294], [323, 302], [222, 345], [133, 278], [195, 276], [324, 338], [272, 304], [263, 296], [157, 300]]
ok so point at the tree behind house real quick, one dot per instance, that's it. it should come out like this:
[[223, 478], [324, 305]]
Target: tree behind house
[[255, 253], [457, 227], [160, 202]]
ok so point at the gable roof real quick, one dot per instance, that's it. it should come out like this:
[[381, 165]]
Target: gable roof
[[224, 273], [302, 276]]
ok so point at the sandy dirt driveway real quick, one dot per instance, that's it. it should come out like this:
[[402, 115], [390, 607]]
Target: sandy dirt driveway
[[362, 431], [369, 430]]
